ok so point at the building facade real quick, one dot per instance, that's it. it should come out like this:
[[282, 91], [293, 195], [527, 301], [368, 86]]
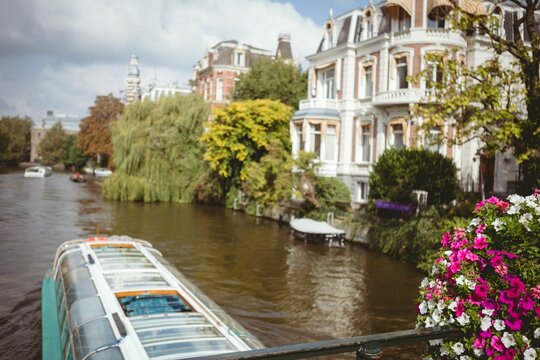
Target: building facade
[[70, 124], [215, 75], [360, 100]]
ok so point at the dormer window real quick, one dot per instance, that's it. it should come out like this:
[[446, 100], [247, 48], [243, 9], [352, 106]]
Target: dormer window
[[369, 25], [403, 19], [437, 17], [239, 58], [328, 36]]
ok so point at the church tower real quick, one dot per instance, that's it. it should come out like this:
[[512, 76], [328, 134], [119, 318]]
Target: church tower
[[133, 81]]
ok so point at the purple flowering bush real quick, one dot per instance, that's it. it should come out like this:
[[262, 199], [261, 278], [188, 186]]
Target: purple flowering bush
[[486, 282]]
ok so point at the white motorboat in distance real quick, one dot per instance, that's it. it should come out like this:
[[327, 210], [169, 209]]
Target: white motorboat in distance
[[38, 172], [316, 231]]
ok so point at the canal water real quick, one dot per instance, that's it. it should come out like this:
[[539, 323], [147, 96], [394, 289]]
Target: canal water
[[280, 289]]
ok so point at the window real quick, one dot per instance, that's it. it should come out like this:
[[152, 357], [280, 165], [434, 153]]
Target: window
[[437, 18], [401, 73], [369, 26], [329, 37], [298, 139], [436, 74], [315, 139], [366, 146], [368, 81], [397, 136], [219, 90], [404, 19], [330, 143], [328, 84], [432, 139], [239, 58], [362, 191]]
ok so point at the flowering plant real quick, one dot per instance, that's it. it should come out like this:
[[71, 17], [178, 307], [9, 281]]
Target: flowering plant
[[486, 282]]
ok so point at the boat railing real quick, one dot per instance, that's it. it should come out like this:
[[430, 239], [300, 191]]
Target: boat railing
[[365, 347]]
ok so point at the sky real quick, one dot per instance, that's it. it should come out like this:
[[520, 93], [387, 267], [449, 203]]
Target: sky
[[60, 54]]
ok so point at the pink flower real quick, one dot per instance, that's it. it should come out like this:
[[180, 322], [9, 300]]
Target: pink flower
[[513, 324], [496, 343], [446, 239], [480, 229], [480, 243], [485, 334], [460, 309], [481, 289], [479, 343], [499, 266], [479, 205], [535, 292]]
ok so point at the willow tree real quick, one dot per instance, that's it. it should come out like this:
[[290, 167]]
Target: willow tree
[[157, 152], [247, 145]]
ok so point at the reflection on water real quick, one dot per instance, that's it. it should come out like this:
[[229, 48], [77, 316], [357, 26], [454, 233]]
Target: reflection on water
[[282, 290]]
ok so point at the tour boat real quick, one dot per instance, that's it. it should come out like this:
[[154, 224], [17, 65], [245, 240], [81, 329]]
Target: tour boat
[[316, 231], [118, 298], [38, 172]]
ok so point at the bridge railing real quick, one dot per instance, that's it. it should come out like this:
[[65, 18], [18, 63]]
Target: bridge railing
[[365, 347]]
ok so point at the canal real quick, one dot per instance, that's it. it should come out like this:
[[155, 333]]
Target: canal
[[280, 289]]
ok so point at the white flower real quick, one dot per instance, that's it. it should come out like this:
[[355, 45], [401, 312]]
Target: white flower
[[453, 306], [485, 323], [444, 351], [458, 348], [499, 325], [460, 280], [441, 305], [537, 333], [470, 284], [516, 199], [475, 221], [431, 304], [488, 312], [525, 218], [478, 352], [451, 320], [422, 307], [436, 315], [435, 342], [464, 357], [463, 319], [529, 354], [497, 224], [424, 283], [434, 270], [429, 322], [448, 252], [525, 339], [514, 209], [508, 340]]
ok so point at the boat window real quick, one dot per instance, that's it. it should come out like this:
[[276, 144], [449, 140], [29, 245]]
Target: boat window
[[72, 261], [178, 333], [146, 304], [109, 354], [92, 336], [78, 285], [134, 280], [167, 320], [84, 310], [202, 346]]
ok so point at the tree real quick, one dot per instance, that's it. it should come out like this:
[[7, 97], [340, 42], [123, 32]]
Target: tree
[[398, 172], [523, 134], [272, 79], [157, 152], [241, 134], [95, 134], [51, 148], [73, 156], [15, 139]]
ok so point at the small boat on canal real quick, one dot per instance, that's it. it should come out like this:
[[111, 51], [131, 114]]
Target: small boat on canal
[[77, 177], [38, 172], [315, 231], [118, 298]]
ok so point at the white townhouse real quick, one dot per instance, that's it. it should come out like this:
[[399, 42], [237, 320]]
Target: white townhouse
[[359, 100]]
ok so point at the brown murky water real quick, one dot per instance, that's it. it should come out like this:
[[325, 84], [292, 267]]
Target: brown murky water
[[282, 290]]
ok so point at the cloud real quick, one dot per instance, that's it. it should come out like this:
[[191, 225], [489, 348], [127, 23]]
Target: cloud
[[61, 54]]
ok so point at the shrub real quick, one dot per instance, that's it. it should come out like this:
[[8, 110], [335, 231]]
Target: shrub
[[398, 172], [486, 281]]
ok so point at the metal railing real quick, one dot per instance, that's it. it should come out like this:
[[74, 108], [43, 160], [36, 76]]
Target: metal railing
[[365, 347]]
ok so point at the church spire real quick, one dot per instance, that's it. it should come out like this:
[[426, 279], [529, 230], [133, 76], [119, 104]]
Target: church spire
[[133, 81]]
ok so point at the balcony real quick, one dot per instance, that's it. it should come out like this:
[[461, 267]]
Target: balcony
[[396, 97], [319, 104], [427, 36]]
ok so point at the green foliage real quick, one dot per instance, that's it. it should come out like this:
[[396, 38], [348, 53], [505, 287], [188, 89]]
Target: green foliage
[[240, 135], [330, 192], [415, 240], [73, 156], [157, 151], [51, 148], [270, 179], [275, 80], [398, 172], [14, 139], [481, 102], [95, 134]]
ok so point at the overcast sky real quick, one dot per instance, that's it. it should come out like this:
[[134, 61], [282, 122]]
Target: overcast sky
[[60, 54]]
